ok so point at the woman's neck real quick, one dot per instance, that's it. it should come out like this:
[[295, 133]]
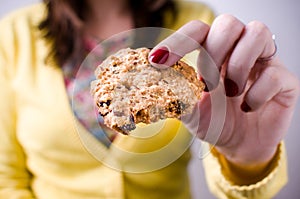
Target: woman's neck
[[105, 18]]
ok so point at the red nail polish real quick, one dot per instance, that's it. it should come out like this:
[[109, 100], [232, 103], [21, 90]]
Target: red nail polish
[[208, 85], [245, 107], [231, 88], [159, 56]]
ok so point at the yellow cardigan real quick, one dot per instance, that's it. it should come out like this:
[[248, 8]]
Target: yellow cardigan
[[45, 153]]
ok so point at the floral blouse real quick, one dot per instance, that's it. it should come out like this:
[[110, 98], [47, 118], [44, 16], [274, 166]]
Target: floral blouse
[[77, 81]]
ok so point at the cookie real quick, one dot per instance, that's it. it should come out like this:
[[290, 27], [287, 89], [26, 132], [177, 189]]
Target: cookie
[[128, 90]]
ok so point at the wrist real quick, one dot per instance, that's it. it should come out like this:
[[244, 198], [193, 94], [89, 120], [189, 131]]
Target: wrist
[[249, 157], [245, 169]]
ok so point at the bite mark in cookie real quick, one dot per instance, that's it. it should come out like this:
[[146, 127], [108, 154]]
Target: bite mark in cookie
[[128, 90]]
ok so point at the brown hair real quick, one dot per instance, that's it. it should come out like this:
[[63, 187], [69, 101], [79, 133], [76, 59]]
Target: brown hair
[[64, 18]]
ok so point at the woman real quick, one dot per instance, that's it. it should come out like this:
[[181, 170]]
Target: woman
[[43, 150]]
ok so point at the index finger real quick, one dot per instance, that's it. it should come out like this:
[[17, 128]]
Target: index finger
[[188, 38]]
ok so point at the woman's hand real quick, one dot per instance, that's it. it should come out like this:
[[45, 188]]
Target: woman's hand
[[261, 95]]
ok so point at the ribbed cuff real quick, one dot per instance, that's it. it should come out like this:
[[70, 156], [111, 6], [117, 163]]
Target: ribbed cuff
[[220, 184]]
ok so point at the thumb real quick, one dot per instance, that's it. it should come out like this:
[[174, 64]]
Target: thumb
[[208, 117]]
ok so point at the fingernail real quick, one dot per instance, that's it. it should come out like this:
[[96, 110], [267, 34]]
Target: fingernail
[[245, 107], [208, 85], [159, 56], [231, 88]]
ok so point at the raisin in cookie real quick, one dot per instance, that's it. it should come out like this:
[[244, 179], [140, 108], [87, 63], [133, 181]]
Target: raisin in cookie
[[128, 90]]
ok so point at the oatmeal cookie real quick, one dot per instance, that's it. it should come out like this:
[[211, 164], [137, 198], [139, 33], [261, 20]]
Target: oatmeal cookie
[[128, 90]]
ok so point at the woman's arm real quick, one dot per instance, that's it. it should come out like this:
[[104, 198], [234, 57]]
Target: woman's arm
[[15, 179], [260, 95]]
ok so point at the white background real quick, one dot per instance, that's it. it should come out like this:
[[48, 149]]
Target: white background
[[283, 18]]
